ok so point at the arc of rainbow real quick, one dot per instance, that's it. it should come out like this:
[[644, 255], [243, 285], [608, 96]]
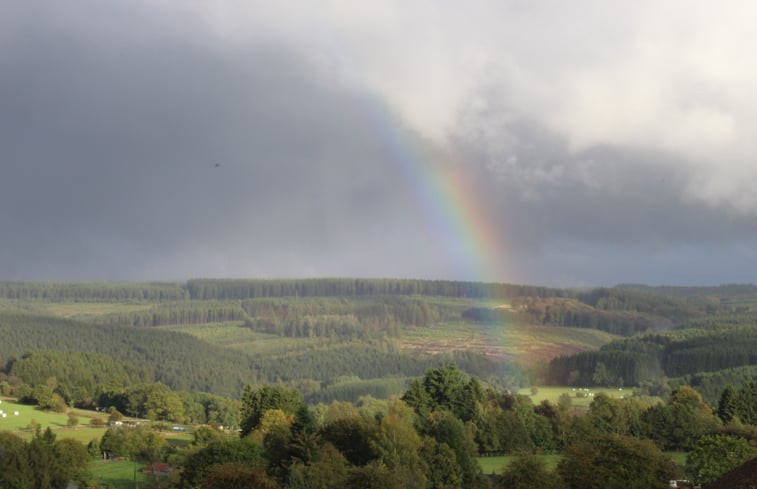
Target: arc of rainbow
[[449, 200]]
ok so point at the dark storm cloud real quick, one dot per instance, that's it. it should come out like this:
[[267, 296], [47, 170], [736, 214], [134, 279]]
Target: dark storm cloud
[[143, 154]]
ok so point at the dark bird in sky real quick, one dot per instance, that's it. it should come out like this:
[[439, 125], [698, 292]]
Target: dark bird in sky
[[217, 165]]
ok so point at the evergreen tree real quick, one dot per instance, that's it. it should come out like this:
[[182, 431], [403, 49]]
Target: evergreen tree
[[727, 404], [746, 403]]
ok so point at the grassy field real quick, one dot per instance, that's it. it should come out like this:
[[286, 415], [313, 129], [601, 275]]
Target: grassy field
[[118, 474], [232, 335], [73, 310], [678, 457], [90, 310], [552, 394], [495, 465], [57, 422], [26, 414]]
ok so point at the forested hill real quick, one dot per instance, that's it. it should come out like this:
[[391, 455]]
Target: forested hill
[[214, 335], [176, 359]]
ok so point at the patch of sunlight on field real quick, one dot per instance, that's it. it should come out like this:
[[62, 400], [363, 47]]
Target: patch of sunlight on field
[[580, 397]]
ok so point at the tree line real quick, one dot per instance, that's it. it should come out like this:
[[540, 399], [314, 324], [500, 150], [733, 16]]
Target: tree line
[[201, 289], [177, 313], [573, 313], [344, 317], [93, 292]]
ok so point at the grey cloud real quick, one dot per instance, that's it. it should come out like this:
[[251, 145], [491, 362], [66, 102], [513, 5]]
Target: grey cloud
[[602, 215], [129, 159]]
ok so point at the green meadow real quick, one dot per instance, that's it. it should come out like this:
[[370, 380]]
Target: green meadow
[[232, 334], [28, 416], [118, 474], [579, 396], [72, 309], [496, 465]]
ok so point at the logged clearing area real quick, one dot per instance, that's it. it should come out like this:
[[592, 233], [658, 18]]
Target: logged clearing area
[[525, 344]]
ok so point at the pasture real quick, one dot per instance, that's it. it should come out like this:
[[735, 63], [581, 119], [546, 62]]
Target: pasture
[[27, 414], [496, 465], [580, 397], [90, 310], [23, 423], [72, 309], [232, 334], [118, 474]]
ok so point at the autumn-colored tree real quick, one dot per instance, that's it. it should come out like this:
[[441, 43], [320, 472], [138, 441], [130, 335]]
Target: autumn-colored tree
[[681, 422]]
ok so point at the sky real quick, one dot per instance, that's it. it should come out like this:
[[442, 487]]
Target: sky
[[579, 143]]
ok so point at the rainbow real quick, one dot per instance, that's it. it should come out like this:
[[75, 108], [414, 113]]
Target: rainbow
[[448, 199]]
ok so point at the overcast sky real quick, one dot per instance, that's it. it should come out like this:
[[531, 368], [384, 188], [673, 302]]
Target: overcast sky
[[605, 141]]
